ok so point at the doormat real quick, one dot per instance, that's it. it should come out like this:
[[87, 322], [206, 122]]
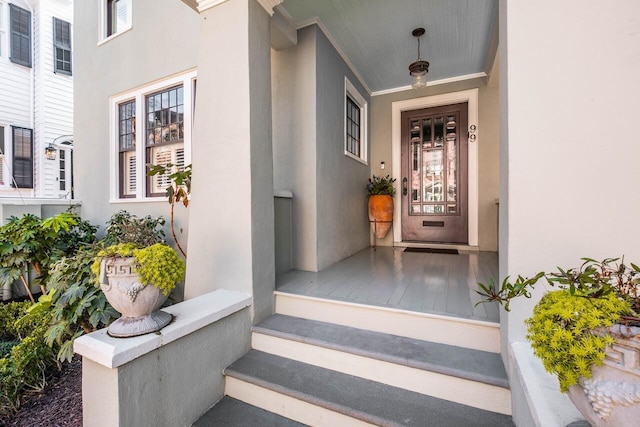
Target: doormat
[[433, 251]]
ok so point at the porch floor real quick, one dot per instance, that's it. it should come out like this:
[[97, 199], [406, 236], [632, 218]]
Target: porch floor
[[433, 283]]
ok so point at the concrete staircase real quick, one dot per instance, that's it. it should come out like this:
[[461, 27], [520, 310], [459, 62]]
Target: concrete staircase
[[328, 363]]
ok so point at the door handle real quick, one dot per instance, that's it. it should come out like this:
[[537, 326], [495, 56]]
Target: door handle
[[404, 186]]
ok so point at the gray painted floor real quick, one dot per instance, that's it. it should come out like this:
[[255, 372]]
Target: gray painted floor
[[389, 277]]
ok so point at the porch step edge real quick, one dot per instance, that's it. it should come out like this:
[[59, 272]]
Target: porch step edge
[[366, 400], [467, 333], [487, 367], [233, 412]]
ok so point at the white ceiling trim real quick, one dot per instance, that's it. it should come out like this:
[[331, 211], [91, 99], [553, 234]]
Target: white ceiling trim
[[336, 46], [268, 5], [429, 84]]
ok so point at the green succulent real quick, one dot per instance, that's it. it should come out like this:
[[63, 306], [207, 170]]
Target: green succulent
[[561, 332]]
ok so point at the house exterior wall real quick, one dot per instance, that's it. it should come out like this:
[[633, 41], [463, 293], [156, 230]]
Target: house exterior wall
[[36, 98], [104, 69], [343, 226], [569, 160], [488, 148], [329, 199], [294, 141]]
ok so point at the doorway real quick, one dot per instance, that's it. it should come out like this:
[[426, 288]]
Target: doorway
[[434, 184], [469, 96]]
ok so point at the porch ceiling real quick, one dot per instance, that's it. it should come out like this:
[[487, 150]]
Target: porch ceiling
[[376, 37]]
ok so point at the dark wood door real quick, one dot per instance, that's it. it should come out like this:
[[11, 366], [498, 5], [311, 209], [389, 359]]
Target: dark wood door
[[434, 174]]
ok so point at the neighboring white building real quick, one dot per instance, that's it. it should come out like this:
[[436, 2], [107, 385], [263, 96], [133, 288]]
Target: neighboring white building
[[36, 98]]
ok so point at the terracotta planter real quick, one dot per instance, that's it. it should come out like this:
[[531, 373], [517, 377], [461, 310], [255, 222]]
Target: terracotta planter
[[380, 214], [138, 304], [611, 397]]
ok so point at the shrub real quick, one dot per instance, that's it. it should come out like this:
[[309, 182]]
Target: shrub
[[124, 227], [24, 369]]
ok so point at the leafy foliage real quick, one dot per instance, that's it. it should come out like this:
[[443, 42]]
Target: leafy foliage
[[561, 332], [24, 369], [593, 279], [77, 305], [179, 189], [124, 227], [381, 186], [29, 242]]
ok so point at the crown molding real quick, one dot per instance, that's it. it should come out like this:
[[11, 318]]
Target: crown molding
[[429, 84]]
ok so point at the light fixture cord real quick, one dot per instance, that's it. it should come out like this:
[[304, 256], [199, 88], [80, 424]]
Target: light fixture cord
[[418, 48]]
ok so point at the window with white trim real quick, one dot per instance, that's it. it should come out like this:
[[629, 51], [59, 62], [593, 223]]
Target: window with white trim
[[355, 123], [160, 115], [20, 35], [116, 17], [61, 46]]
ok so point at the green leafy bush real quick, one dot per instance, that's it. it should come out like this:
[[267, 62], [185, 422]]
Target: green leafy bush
[[24, 370], [561, 333], [77, 305], [124, 227], [381, 186]]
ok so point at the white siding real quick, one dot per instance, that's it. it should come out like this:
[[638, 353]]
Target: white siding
[[36, 97]]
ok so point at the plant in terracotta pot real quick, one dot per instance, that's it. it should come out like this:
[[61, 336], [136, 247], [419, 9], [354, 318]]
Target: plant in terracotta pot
[[137, 271], [381, 191], [587, 333]]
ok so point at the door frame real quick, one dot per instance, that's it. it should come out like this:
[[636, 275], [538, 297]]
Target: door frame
[[471, 97]]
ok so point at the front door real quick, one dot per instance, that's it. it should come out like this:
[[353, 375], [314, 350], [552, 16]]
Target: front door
[[434, 175]]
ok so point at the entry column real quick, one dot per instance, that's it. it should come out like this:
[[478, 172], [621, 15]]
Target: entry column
[[231, 219]]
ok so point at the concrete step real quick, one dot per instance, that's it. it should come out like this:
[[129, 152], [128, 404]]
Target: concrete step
[[474, 334], [470, 377], [230, 412], [321, 397]]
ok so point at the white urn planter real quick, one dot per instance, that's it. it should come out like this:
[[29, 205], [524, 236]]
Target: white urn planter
[[611, 397], [138, 304]]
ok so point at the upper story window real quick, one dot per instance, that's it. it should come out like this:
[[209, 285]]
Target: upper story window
[[355, 124], [117, 16], [20, 34], [160, 116], [61, 46]]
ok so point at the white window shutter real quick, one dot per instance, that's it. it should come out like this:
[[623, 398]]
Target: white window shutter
[[130, 184], [1, 169]]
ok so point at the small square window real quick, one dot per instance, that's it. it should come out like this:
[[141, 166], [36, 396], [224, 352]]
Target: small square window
[[117, 16], [355, 124]]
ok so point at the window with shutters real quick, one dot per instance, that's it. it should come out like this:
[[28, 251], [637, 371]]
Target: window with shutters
[[355, 123], [160, 115], [61, 46], [20, 35], [116, 17], [22, 157]]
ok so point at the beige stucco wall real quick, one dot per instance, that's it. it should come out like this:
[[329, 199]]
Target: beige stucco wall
[[488, 148]]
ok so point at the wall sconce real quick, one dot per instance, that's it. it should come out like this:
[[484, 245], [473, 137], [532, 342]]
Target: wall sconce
[[50, 152], [382, 165], [418, 69]]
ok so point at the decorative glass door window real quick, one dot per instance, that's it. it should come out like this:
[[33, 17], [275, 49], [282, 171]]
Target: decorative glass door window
[[434, 165]]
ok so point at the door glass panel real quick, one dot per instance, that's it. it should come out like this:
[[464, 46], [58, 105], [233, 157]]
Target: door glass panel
[[451, 209], [415, 208], [433, 176], [438, 124], [452, 170], [433, 209], [426, 133]]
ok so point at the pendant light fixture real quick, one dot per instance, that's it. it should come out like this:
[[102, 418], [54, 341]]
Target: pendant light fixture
[[418, 69]]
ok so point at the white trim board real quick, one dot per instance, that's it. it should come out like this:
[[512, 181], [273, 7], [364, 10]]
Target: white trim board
[[471, 97], [430, 84]]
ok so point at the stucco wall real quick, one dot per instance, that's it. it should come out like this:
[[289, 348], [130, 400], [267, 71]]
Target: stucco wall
[[171, 386], [343, 226], [146, 53], [329, 200], [294, 140], [488, 148]]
